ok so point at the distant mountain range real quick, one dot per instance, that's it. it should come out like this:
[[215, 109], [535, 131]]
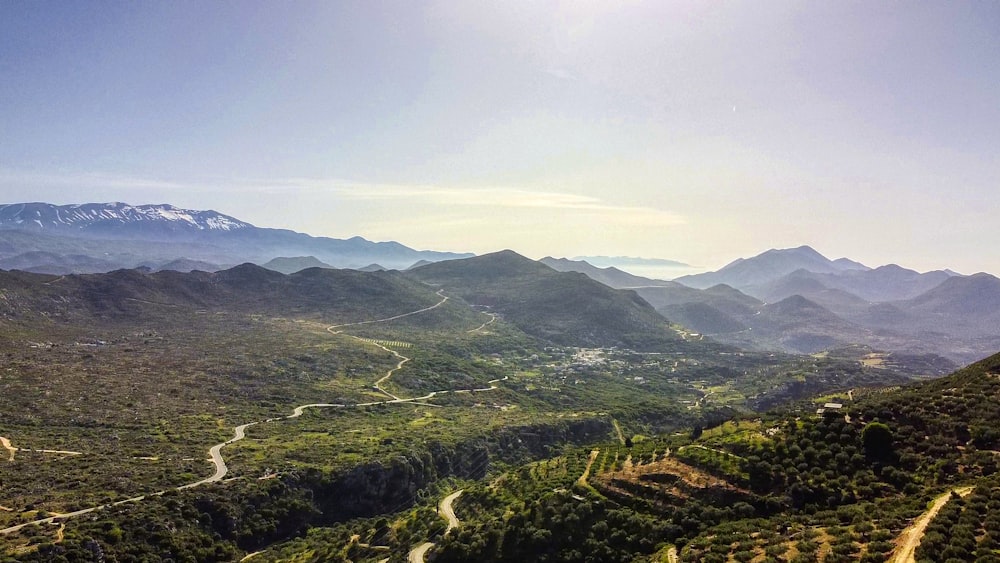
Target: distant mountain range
[[98, 237], [116, 220], [793, 300], [797, 300]]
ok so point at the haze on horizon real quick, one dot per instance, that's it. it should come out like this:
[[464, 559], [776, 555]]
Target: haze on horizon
[[692, 131]]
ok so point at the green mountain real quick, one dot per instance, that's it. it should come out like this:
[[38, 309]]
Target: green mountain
[[859, 479], [247, 288], [566, 308]]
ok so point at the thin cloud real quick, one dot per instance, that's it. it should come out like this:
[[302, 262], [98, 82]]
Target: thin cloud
[[505, 198], [344, 190]]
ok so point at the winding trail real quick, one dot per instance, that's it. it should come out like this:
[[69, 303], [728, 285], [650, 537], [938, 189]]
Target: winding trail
[[215, 452], [493, 319], [239, 433], [444, 298], [402, 359], [445, 509], [417, 554], [910, 538]]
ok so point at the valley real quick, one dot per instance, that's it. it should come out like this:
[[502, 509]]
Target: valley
[[372, 396], [499, 282]]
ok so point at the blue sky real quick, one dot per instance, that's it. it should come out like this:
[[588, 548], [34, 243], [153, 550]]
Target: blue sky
[[696, 131]]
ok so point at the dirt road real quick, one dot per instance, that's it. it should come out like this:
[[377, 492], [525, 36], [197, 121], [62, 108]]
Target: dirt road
[[7, 446], [239, 433], [908, 541], [586, 472], [417, 554], [446, 510]]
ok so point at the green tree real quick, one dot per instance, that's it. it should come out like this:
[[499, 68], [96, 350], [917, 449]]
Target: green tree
[[877, 440]]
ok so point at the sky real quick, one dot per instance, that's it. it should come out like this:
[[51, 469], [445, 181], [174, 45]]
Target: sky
[[692, 131]]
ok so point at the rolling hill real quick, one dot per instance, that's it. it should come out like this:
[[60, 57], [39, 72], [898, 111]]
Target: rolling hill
[[563, 307], [130, 294]]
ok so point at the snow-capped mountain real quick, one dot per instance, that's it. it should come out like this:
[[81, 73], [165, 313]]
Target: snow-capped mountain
[[112, 218], [120, 235]]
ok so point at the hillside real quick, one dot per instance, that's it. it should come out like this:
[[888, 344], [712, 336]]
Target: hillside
[[336, 400], [722, 297], [889, 308], [129, 294], [885, 283], [807, 284], [563, 307], [843, 484]]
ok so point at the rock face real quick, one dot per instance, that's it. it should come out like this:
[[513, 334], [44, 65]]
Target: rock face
[[373, 488]]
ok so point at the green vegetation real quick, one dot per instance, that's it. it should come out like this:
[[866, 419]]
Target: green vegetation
[[565, 452]]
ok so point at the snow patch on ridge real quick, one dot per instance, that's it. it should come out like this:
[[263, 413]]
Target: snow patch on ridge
[[83, 216]]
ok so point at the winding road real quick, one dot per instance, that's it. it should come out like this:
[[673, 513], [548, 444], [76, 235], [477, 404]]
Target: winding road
[[448, 512], [239, 433], [417, 554], [444, 298], [493, 319], [445, 509], [402, 359]]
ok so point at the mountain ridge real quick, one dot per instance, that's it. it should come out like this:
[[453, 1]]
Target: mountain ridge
[[130, 235]]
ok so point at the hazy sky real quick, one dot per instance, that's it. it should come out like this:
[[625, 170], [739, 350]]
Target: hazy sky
[[696, 131]]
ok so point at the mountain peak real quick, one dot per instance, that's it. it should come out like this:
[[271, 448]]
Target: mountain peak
[[105, 218], [747, 273]]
